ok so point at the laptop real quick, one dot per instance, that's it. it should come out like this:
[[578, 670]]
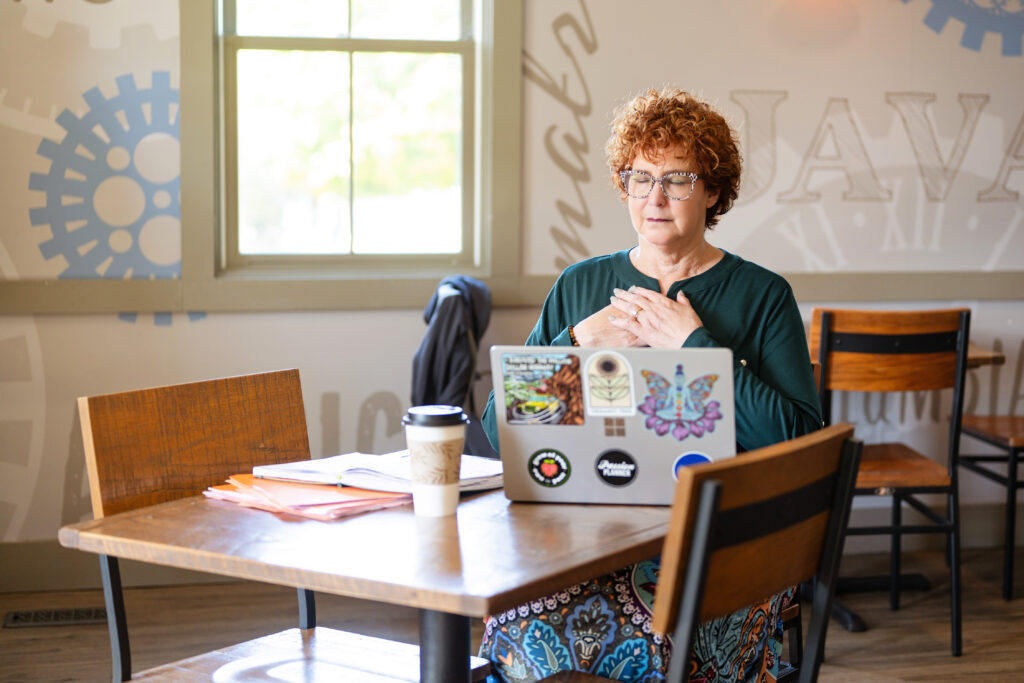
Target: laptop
[[586, 425]]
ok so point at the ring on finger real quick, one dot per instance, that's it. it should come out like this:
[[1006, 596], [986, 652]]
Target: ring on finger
[[637, 312]]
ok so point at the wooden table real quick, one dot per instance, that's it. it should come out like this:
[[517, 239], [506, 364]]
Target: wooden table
[[978, 356], [491, 556]]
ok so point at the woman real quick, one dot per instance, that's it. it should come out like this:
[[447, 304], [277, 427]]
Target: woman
[[675, 162]]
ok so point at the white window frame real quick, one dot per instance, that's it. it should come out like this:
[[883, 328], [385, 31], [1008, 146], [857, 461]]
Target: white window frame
[[467, 260], [217, 280]]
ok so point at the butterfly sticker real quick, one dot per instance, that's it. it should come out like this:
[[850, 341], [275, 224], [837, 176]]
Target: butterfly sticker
[[677, 407]]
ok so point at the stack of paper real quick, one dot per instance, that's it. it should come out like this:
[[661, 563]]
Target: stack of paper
[[387, 472], [306, 500]]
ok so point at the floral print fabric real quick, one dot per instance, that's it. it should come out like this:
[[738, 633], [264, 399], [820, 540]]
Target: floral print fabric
[[603, 627]]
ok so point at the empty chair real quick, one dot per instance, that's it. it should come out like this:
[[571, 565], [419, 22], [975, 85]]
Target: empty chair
[[1005, 432], [156, 445], [901, 351], [729, 519]]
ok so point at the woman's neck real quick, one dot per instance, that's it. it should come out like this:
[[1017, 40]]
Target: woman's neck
[[669, 267]]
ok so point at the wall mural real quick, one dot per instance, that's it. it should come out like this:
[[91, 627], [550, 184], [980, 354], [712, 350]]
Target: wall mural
[[980, 17], [877, 135], [22, 412], [875, 138], [875, 164], [113, 190]]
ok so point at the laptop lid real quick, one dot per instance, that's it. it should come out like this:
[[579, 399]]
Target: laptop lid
[[586, 425]]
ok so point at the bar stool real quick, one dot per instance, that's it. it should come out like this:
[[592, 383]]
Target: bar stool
[[1005, 432]]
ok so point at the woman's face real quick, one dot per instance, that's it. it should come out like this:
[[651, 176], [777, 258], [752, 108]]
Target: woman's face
[[666, 223]]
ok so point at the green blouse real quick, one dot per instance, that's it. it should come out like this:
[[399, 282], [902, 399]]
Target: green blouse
[[743, 306]]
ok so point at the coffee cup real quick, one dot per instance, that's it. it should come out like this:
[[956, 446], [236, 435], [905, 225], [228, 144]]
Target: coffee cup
[[435, 435]]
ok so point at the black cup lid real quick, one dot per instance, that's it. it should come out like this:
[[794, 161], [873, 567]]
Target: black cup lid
[[435, 416]]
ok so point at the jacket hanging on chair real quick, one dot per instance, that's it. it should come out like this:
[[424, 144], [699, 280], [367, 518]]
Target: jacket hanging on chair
[[444, 365]]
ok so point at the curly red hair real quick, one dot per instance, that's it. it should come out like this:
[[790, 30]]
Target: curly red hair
[[654, 121]]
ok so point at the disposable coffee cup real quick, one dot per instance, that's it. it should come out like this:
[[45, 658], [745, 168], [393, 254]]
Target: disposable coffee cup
[[435, 436]]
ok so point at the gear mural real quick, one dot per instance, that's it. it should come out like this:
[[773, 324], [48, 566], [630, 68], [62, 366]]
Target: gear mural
[[112, 192], [1005, 17]]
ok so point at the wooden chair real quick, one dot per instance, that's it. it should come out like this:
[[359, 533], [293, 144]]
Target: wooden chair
[[895, 351], [729, 518], [156, 445], [1007, 433]]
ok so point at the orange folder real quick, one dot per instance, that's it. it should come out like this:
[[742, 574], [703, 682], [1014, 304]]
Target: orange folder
[[316, 501]]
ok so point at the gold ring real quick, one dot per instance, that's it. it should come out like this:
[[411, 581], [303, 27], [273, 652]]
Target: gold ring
[[637, 312]]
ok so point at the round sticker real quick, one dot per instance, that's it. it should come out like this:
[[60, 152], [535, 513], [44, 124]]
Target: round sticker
[[548, 467], [689, 458], [616, 468]]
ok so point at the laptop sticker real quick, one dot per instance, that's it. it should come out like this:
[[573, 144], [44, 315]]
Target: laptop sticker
[[549, 467], [678, 408], [616, 468], [542, 389], [609, 388], [614, 426], [687, 459]]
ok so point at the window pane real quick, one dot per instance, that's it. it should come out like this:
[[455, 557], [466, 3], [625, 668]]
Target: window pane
[[293, 152], [404, 19], [309, 18], [407, 134], [392, 19]]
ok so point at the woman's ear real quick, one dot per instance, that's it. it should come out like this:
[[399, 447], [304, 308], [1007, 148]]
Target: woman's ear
[[710, 199]]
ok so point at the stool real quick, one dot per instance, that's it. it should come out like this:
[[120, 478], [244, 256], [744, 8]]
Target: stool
[[1006, 433]]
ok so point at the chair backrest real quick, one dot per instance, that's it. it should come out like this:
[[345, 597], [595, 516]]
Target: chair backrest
[[872, 351], [889, 350], [154, 445], [781, 520]]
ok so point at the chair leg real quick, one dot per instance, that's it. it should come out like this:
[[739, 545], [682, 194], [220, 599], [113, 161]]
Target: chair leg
[[894, 554], [954, 572], [113, 597], [1011, 516], [307, 608]]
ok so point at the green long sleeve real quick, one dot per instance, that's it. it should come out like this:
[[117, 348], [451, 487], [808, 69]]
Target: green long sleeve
[[743, 306]]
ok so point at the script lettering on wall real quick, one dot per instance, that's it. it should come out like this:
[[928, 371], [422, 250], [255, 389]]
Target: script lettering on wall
[[575, 214]]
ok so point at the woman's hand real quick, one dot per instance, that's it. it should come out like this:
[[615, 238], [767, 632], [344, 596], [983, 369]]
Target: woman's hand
[[597, 330], [653, 318]]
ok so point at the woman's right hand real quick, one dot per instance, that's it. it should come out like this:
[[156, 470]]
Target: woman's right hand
[[597, 331]]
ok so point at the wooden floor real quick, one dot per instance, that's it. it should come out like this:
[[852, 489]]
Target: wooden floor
[[173, 622]]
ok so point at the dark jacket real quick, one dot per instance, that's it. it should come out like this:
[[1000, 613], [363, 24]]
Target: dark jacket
[[444, 365]]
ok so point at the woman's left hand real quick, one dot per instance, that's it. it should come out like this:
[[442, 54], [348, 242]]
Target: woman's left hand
[[655, 319]]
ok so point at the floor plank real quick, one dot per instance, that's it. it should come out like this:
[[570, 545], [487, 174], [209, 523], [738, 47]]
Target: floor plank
[[170, 623]]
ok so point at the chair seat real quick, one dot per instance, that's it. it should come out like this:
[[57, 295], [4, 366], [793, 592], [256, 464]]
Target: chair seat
[[896, 465], [318, 654], [1005, 430]]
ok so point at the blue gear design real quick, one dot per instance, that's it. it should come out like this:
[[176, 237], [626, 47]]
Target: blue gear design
[[995, 16], [78, 233]]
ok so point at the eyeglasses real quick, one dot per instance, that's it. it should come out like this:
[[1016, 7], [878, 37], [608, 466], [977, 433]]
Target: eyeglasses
[[677, 185]]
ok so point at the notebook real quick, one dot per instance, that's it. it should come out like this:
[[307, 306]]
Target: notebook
[[583, 425]]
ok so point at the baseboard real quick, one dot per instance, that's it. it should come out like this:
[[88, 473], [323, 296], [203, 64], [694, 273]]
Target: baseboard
[[46, 566]]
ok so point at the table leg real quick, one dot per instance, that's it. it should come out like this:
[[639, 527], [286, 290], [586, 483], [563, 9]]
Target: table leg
[[444, 647]]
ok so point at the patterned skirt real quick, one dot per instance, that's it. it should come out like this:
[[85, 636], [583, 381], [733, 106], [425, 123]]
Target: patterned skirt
[[603, 627]]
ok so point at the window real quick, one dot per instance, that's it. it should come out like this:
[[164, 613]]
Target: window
[[341, 154], [349, 132]]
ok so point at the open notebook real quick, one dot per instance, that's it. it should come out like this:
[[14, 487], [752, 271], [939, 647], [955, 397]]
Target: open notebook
[[582, 425]]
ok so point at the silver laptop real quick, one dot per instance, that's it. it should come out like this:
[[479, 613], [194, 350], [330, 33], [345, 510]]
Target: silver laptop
[[582, 425]]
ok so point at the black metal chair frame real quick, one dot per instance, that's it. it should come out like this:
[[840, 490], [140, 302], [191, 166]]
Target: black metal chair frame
[[715, 529], [1011, 483], [117, 621], [948, 525]]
